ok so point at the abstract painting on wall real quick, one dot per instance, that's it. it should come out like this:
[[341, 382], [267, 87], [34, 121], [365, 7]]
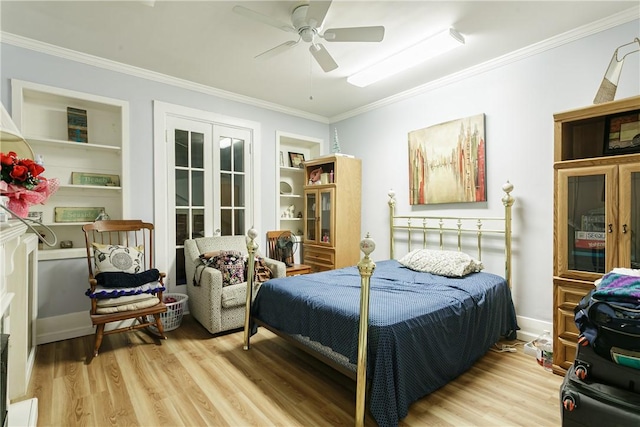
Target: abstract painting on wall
[[447, 162]]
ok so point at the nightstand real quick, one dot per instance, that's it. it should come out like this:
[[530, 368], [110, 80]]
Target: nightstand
[[297, 269]]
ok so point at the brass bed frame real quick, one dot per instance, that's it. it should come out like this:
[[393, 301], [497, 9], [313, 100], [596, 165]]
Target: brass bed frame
[[423, 226]]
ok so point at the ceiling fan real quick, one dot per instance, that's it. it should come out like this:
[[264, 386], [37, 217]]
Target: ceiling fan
[[307, 21]]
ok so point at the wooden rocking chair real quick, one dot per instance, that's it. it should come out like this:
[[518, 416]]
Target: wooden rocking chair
[[123, 251]]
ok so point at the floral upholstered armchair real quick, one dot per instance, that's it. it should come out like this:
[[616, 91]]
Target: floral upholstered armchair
[[216, 280]]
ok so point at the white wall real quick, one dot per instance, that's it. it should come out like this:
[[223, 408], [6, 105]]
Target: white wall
[[519, 101]]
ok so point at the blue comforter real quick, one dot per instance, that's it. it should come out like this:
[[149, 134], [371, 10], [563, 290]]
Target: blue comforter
[[424, 331]]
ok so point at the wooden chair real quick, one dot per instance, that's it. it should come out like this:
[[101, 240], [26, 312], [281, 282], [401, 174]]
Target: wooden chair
[[117, 247], [275, 253]]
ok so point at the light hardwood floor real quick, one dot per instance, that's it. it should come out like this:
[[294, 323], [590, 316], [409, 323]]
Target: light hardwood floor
[[194, 379]]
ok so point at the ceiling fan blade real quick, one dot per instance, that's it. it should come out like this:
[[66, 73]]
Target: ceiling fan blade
[[276, 50], [354, 34], [317, 12], [251, 14], [323, 57]]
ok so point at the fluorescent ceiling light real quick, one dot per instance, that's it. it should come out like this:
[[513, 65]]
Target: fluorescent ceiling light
[[432, 46]]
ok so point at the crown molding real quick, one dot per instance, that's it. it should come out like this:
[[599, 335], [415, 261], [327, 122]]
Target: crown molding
[[534, 49], [60, 52]]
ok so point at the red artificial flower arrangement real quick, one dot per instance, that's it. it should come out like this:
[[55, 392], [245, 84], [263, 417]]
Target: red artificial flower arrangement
[[22, 182]]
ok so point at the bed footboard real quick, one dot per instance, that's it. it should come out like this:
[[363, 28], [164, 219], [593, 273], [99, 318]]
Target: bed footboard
[[365, 267]]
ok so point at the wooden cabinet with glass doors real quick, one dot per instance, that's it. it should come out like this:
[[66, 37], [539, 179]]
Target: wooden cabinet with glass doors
[[332, 212], [596, 207]]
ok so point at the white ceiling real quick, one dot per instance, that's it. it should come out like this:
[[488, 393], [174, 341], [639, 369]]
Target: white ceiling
[[207, 43]]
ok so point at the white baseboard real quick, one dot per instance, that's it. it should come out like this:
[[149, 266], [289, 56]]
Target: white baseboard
[[531, 329], [64, 327], [72, 325]]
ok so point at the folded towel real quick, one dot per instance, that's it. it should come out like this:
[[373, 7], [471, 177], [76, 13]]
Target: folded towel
[[125, 299], [147, 288], [118, 279], [618, 287]]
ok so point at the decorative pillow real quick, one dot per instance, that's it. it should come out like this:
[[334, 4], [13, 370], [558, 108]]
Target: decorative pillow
[[231, 265], [262, 272], [442, 263], [109, 258]]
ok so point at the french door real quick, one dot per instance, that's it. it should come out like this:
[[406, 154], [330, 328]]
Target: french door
[[208, 185]]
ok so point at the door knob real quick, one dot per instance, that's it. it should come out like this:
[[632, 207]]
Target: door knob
[[624, 228]]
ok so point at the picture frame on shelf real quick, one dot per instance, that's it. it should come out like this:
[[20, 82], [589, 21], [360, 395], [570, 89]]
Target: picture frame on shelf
[[622, 133], [97, 179], [296, 160], [76, 214]]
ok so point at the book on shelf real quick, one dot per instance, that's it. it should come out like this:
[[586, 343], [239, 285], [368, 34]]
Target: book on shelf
[[77, 124], [589, 240], [589, 244], [590, 235]]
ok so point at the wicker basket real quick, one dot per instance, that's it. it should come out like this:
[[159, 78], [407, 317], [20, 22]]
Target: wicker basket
[[172, 318]]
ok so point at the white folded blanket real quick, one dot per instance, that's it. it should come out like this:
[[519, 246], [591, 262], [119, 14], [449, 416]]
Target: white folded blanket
[[128, 307]]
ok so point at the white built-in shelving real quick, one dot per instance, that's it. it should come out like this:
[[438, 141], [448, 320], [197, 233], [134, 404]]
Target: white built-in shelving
[[293, 178], [40, 113]]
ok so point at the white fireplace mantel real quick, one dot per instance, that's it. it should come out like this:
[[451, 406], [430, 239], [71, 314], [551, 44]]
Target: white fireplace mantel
[[18, 305]]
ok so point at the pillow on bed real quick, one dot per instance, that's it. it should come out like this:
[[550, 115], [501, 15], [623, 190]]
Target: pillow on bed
[[110, 258], [442, 263], [231, 265]]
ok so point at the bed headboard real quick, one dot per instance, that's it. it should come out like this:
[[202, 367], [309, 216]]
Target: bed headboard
[[449, 231]]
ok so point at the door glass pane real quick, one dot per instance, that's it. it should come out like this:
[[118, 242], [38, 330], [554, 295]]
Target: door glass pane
[[238, 191], [182, 226], [181, 147], [182, 187], [586, 223], [635, 220], [225, 154], [197, 188], [239, 222], [325, 217], [225, 222], [225, 189], [311, 216], [238, 155], [181, 272], [197, 218], [197, 150]]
